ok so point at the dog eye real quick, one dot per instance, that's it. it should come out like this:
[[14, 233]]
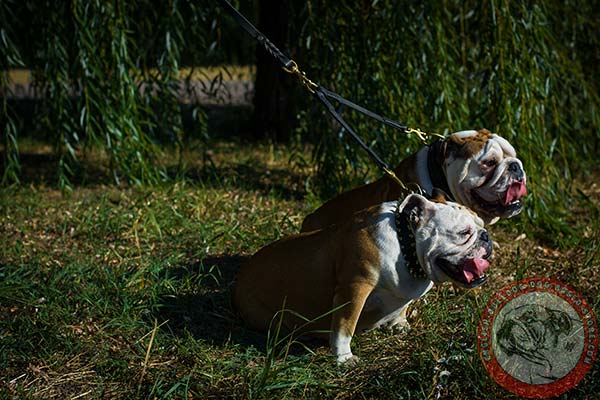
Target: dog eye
[[490, 163], [466, 234]]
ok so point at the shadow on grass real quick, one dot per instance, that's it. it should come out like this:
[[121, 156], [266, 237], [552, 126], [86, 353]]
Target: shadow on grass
[[280, 181], [207, 314], [41, 168]]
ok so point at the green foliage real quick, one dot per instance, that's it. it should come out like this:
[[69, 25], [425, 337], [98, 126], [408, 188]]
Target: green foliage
[[107, 75], [519, 68], [9, 58], [113, 76]]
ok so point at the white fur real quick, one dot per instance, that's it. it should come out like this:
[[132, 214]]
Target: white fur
[[437, 234], [340, 346], [508, 149], [394, 277], [396, 287], [470, 175], [441, 236]]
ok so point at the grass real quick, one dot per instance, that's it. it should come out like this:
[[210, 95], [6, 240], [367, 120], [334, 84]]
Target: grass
[[117, 292]]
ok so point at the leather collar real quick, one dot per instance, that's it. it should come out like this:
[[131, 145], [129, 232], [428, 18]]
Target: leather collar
[[408, 244], [434, 167]]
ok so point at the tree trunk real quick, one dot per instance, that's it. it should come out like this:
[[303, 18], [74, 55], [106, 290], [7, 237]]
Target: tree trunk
[[274, 105]]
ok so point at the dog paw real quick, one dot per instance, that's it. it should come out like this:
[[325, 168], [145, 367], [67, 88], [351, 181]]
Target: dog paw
[[347, 360], [400, 328], [399, 325]]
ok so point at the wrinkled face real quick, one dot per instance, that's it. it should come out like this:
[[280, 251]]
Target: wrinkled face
[[451, 242], [484, 174]]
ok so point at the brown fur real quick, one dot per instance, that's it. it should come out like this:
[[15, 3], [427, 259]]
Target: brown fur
[[469, 146], [311, 273], [343, 206], [439, 197]]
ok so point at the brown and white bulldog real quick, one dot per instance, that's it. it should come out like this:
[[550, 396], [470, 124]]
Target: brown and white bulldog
[[368, 269], [477, 168]]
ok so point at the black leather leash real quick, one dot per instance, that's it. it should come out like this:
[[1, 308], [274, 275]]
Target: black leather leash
[[324, 95]]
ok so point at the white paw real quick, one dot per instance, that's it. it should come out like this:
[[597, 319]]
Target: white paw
[[347, 360], [399, 325], [400, 328]]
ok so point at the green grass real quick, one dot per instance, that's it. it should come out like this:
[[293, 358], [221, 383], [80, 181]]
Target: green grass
[[115, 292]]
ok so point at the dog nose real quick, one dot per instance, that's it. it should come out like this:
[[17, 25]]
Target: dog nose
[[516, 170], [484, 236]]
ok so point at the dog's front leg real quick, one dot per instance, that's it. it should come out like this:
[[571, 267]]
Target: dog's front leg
[[350, 299]]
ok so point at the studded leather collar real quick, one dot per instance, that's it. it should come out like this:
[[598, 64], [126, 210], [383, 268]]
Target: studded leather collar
[[408, 244]]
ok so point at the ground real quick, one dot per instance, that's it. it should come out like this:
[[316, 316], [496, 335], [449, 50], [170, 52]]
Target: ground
[[120, 292]]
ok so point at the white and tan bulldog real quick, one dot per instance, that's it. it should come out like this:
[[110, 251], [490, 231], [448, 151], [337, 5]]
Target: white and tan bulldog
[[368, 269], [477, 168]]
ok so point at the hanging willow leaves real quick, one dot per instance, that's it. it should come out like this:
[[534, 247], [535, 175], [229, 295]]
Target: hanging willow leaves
[[111, 75], [107, 75], [9, 58], [522, 69]]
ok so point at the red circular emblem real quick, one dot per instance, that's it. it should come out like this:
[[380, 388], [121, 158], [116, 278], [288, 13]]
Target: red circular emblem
[[537, 338]]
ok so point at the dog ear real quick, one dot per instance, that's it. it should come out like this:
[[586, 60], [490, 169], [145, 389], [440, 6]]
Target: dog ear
[[507, 148], [416, 208], [466, 144]]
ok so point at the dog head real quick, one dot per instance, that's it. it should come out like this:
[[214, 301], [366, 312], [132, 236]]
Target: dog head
[[451, 242], [484, 173]]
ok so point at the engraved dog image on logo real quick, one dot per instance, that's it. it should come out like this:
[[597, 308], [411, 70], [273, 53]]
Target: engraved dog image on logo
[[531, 336]]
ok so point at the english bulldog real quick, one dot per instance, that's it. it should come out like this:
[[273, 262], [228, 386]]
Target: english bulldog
[[477, 168], [366, 269]]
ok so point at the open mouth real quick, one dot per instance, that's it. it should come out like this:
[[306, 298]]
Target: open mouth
[[498, 207], [508, 203], [469, 275]]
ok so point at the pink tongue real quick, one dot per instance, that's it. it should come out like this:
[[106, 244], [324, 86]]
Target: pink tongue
[[474, 268], [515, 191]]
